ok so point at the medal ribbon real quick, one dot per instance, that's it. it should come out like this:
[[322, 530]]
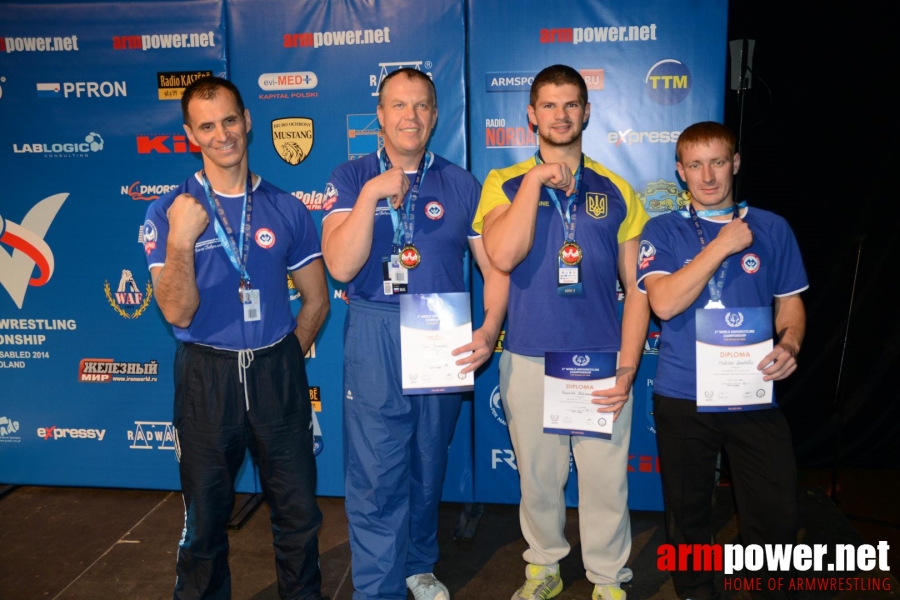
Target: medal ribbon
[[233, 249], [717, 282], [568, 219], [404, 223]]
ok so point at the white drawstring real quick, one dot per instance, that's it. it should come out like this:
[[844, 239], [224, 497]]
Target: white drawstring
[[245, 357]]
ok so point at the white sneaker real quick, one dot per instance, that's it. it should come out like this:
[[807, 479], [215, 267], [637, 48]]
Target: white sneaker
[[426, 587]]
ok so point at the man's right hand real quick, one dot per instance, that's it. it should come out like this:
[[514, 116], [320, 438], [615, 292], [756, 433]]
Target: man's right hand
[[554, 175], [187, 220], [392, 184], [734, 237]]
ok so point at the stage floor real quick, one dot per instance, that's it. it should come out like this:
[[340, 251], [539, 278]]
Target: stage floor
[[70, 543]]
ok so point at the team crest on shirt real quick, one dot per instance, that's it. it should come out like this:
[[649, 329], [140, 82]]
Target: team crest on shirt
[[150, 236], [646, 254], [331, 196], [750, 263], [265, 238], [596, 205], [434, 210]]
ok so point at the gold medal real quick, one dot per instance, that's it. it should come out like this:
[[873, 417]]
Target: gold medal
[[570, 253], [410, 257]]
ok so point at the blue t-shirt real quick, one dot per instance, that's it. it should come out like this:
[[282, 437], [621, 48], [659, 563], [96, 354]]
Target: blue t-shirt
[[770, 267], [283, 239], [448, 197], [608, 213]]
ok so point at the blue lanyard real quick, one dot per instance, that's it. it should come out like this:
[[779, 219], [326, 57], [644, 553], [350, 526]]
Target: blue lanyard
[[717, 282], [568, 219], [404, 223], [242, 246], [715, 213]]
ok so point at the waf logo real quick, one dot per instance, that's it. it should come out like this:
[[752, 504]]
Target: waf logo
[[293, 139], [165, 144], [434, 210], [750, 263], [29, 250], [265, 238], [128, 295]]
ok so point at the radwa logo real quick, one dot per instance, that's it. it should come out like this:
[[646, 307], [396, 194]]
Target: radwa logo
[[28, 249], [630, 136], [128, 295], [8, 429], [314, 200], [385, 68], [146, 193], [497, 406], [152, 435], [498, 135], [165, 144], [93, 142], [662, 196], [78, 89], [668, 82]]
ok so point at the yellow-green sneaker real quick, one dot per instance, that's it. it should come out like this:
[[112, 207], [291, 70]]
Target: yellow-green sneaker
[[608, 592], [541, 583]]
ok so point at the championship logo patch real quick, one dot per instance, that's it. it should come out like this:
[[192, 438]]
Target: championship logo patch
[[150, 236], [434, 210], [750, 263], [292, 138], [596, 205], [331, 196], [646, 254], [265, 238]]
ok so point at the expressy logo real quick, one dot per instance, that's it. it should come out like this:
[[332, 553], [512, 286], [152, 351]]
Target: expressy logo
[[152, 435], [630, 136], [668, 82], [61, 433], [78, 89], [128, 294], [28, 248], [171, 84], [93, 142], [385, 68], [293, 139], [165, 144], [662, 196], [105, 370], [145, 193], [498, 135]]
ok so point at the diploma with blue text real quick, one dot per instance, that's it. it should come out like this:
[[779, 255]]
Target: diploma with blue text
[[431, 327], [731, 342], [569, 379]]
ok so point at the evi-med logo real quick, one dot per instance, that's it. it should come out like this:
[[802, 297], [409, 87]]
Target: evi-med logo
[[29, 250], [128, 296]]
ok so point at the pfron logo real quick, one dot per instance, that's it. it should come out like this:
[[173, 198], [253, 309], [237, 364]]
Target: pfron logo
[[93, 142], [171, 84], [28, 249], [668, 82], [129, 295], [152, 435], [165, 144], [498, 135], [313, 200], [86, 89], [662, 196], [61, 433], [8, 429], [105, 370], [497, 406], [292, 138], [146, 193], [385, 68], [630, 136], [750, 263], [646, 254]]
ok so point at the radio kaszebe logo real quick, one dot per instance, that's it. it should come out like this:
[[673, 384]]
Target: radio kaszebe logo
[[28, 249], [128, 296], [292, 138]]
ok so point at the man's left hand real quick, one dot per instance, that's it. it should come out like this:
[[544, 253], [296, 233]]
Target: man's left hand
[[481, 347], [614, 399], [779, 363]]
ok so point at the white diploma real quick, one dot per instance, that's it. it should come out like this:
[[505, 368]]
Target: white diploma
[[569, 379], [731, 342], [431, 327]]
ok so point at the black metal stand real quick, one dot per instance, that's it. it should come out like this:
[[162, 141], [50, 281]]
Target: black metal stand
[[469, 519], [5, 489], [244, 506]]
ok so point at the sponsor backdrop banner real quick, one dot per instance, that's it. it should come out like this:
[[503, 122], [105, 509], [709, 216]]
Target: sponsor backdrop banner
[[645, 85], [93, 134]]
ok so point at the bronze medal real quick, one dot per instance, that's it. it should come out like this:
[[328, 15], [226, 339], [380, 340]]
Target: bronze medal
[[570, 253], [410, 257]]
